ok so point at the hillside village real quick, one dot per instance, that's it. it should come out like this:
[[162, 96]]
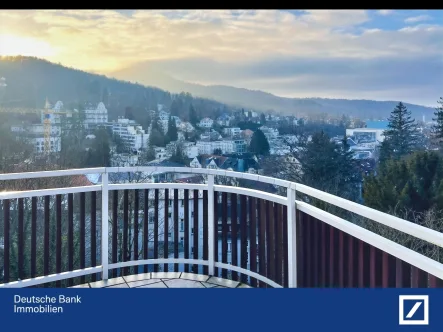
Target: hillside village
[[222, 142]]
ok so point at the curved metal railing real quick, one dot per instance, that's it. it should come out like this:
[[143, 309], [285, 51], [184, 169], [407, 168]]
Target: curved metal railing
[[296, 244]]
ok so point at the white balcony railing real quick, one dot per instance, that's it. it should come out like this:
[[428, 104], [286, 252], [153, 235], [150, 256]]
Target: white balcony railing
[[277, 241]]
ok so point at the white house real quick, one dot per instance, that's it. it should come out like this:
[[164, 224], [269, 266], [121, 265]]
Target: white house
[[366, 135], [95, 115], [131, 133], [232, 131], [161, 153], [206, 123], [270, 133]]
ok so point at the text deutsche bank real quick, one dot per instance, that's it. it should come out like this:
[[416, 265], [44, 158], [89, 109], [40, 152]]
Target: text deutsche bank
[[414, 309]]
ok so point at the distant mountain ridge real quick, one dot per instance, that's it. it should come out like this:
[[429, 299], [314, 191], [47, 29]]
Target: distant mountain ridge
[[30, 80], [265, 101]]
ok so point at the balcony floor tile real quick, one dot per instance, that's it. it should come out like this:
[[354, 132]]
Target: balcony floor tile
[[159, 284], [109, 282], [165, 275], [223, 282], [165, 280], [119, 286], [182, 283], [193, 276], [136, 284], [137, 277]]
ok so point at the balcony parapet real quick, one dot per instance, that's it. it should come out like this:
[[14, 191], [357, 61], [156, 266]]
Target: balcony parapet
[[296, 244]]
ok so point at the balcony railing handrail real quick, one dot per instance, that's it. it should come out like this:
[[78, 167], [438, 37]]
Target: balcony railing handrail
[[399, 224], [426, 264]]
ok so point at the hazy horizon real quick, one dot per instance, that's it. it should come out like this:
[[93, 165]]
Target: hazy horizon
[[352, 54]]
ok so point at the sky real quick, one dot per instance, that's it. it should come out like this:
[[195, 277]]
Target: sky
[[377, 54]]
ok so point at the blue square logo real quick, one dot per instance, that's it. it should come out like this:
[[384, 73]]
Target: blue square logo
[[414, 310]]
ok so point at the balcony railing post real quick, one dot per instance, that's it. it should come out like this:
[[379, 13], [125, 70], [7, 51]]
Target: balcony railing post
[[292, 246], [105, 226], [211, 225]]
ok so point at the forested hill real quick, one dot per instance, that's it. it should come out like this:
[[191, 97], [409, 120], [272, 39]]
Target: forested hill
[[30, 80], [263, 101]]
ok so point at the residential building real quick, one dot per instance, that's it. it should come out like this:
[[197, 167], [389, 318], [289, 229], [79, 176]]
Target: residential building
[[211, 135], [161, 153], [206, 123], [232, 131], [124, 160], [269, 132], [224, 120], [95, 115], [366, 135], [208, 147], [131, 133]]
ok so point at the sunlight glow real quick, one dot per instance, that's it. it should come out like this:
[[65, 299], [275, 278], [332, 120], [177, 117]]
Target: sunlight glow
[[11, 45]]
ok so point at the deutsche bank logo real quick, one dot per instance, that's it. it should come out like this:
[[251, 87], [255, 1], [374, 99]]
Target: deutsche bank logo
[[414, 309]]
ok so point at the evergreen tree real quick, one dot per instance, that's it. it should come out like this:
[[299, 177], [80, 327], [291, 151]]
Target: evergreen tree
[[438, 127], [155, 123], [175, 108], [178, 156], [401, 133], [156, 138], [192, 115], [262, 119], [415, 182], [148, 155], [350, 177], [259, 143], [172, 134], [128, 113], [105, 96], [99, 154], [320, 163]]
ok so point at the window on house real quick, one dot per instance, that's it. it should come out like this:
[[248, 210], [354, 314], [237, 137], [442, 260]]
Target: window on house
[[169, 214], [169, 234], [192, 250], [192, 230], [170, 203]]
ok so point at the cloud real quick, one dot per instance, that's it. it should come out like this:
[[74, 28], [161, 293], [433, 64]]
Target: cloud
[[385, 12], [105, 41], [419, 18]]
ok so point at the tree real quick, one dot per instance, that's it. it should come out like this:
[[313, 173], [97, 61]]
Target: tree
[[12, 150], [174, 109], [401, 135], [438, 127], [128, 113], [178, 155], [218, 151], [192, 115], [262, 119], [156, 138], [324, 165], [148, 155], [259, 143], [105, 96], [99, 154], [172, 134], [414, 182], [350, 177]]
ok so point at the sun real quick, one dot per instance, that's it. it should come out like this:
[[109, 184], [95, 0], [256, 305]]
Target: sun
[[11, 45]]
